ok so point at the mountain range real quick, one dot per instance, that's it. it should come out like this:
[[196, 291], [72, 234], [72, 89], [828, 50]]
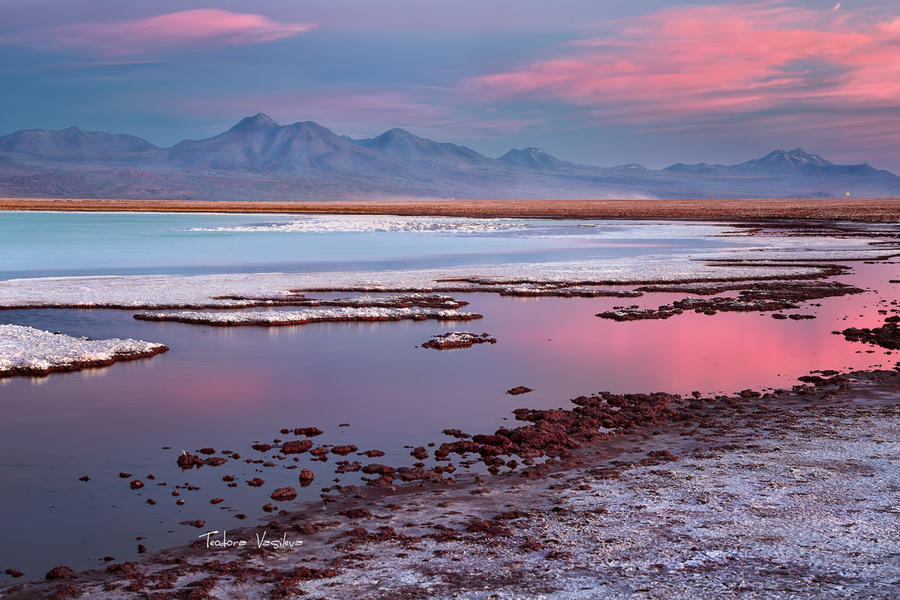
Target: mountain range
[[259, 159]]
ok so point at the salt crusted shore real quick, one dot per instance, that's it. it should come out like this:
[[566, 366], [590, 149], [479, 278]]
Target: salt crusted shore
[[762, 252], [30, 351], [303, 317], [702, 506], [585, 279]]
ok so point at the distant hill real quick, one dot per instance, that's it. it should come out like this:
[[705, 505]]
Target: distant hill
[[259, 144], [259, 159], [532, 158], [796, 162], [402, 144], [72, 142]]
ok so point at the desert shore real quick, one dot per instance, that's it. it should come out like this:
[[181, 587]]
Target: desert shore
[[853, 209]]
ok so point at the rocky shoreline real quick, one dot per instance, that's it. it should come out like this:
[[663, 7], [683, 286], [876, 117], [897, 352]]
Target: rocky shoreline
[[688, 500]]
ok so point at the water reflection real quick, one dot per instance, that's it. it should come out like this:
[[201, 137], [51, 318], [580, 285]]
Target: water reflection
[[226, 387]]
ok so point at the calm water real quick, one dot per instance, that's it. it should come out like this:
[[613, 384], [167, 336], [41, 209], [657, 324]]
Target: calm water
[[227, 388], [53, 244]]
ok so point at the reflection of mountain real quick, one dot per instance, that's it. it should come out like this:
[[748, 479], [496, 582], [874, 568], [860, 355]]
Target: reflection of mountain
[[259, 159]]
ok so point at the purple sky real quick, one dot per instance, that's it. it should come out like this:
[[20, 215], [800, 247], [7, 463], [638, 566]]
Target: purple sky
[[601, 82]]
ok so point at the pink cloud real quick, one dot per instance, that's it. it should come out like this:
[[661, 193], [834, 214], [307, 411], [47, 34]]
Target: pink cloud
[[706, 60], [201, 27]]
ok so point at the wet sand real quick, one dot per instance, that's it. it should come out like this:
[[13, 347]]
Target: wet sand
[[852, 209]]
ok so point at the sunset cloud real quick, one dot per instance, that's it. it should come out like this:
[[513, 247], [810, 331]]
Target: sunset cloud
[[706, 60], [189, 28]]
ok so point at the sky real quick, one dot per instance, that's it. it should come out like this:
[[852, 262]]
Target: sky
[[601, 82]]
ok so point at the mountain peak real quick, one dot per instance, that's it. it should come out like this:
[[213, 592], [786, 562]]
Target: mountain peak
[[531, 157], [399, 142], [257, 121], [796, 158], [398, 132], [399, 136], [636, 167], [311, 126]]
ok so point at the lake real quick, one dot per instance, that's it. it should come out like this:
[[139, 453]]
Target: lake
[[229, 387]]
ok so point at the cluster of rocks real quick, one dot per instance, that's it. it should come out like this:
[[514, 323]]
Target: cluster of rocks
[[755, 298], [886, 336], [554, 433]]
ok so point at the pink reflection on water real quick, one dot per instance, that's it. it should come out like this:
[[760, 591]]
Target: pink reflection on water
[[223, 386], [227, 387], [721, 353]]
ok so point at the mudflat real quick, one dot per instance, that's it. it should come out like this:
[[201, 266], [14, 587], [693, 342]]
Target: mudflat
[[877, 210]]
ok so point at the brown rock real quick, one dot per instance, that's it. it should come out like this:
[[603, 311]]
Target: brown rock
[[285, 493], [519, 389], [60, 572], [306, 477], [456, 433], [188, 461], [380, 469], [346, 466], [296, 446], [308, 431], [198, 523]]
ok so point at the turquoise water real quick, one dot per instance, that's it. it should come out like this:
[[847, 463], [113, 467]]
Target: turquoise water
[[56, 244]]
